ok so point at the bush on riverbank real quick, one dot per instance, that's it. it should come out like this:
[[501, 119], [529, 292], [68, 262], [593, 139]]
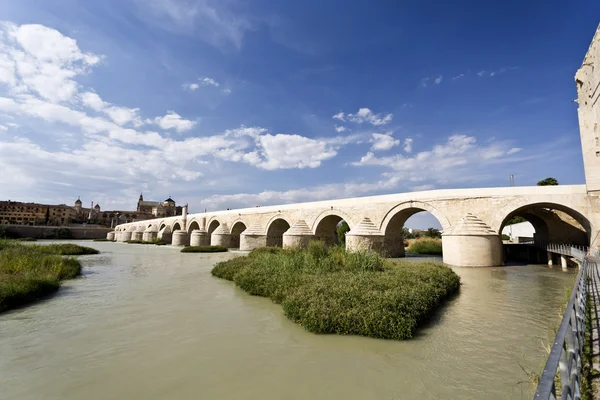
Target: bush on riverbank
[[204, 249], [328, 290], [425, 246], [28, 273], [27, 239]]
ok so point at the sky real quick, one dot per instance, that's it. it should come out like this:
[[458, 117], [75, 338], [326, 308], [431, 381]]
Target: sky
[[235, 103]]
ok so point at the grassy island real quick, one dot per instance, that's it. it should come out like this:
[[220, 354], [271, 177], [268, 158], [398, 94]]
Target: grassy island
[[204, 249], [328, 290], [30, 272]]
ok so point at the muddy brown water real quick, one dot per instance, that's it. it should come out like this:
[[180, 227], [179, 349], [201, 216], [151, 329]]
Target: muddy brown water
[[148, 322]]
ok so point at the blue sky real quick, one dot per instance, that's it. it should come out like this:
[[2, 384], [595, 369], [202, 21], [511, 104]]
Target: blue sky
[[232, 103]]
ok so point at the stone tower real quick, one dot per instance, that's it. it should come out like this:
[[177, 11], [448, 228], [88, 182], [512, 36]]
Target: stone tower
[[587, 79], [78, 206]]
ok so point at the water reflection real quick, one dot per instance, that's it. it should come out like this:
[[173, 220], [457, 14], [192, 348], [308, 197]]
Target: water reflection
[[150, 322]]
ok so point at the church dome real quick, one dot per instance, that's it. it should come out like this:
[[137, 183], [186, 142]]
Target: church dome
[[77, 202], [97, 207], [169, 200]]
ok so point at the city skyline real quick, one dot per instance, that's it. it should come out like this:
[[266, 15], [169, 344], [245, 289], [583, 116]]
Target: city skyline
[[233, 104]]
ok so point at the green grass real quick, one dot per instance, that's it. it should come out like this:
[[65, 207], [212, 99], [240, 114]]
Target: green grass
[[27, 239], [425, 246], [66, 249], [29, 273], [157, 242], [328, 290], [204, 249]]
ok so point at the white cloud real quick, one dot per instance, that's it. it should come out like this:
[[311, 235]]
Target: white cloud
[[3, 128], [481, 73], [365, 115], [421, 188], [191, 86], [453, 160], [124, 115], [172, 120], [514, 150], [383, 142], [408, 145], [458, 76], [436, 79], [208, 82], [227, 91], [93, 101], [340, 128], [212, 21], [37, 59], [339, 116], [290, 151]]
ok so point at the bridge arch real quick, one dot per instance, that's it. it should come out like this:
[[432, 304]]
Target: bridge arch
[[177, 226], [276, 227], [325, 226], [212, 225], [552, 222], [193, 225], [236, 230], [393, 222]]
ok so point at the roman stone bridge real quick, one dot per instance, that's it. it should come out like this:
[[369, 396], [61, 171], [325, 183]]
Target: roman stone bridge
[[471, 220]]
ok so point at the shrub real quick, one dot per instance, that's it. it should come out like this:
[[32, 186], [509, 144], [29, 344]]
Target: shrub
[[59, 233], [204, 249], [328, 290], [505, 237], [425, 246]]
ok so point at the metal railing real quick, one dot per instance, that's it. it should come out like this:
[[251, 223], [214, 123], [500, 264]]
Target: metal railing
[[562, 373], [568, 250]]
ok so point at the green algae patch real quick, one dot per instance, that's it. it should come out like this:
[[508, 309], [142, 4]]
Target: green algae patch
[[329, 290]]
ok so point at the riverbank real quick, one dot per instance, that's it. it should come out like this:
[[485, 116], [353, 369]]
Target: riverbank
[[328, 290], [31, 272], [431, 246]]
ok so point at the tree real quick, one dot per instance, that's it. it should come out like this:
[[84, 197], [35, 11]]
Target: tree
[[515, 220], [342, 229], [548, 182], [406, 234], [433, 233]]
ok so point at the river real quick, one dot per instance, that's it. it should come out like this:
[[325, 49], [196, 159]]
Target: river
[[148, 322]]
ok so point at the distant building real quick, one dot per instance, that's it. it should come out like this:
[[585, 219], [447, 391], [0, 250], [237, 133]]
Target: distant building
[[522, 231], [19, 213], [158, 209]]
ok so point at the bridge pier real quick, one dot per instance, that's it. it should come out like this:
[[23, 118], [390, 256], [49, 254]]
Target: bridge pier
[[550, 259], [298, 235], [150, 235], [563, 261], [221, 236], [125, 236], [199, 237], [180, 238], [394, 246], [137, 235], [365, 237], [165, 235], [110, 235], [472, 243], [252, 238]]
